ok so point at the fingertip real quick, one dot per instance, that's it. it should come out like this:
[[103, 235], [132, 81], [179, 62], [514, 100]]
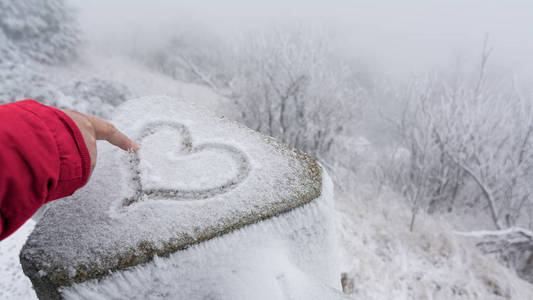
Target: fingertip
[[132, 146]]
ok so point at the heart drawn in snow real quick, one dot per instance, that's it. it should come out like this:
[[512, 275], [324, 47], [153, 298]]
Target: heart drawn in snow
[[168, 166]]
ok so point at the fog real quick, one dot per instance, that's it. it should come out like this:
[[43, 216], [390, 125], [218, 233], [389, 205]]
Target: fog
[[394, 37]]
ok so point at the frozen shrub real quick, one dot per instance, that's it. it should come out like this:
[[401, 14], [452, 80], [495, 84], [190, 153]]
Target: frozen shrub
[[96, 96], [22, 81], [45, 31], [284, 82]]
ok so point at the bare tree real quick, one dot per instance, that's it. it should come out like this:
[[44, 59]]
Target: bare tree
[[471, 138], [485, 130], [284, 82], [200, 58], [418, 168], [290, 86]]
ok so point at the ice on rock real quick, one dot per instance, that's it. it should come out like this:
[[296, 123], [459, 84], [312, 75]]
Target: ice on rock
[[206, 209]]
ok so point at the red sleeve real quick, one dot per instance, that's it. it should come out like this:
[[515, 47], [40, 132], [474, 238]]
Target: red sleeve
[[42, 158]]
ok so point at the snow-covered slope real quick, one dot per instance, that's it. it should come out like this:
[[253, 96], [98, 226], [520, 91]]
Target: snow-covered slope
[[382, 259], [141, 80]]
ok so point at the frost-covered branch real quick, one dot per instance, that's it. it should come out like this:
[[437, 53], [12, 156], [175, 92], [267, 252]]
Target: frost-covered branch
[[497, 233]]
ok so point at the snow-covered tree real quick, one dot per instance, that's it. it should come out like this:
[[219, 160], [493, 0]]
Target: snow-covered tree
[[45, 31], [33, 31], [418, 168], [285, 82], [289, 86], [470, 138], [199, 58]]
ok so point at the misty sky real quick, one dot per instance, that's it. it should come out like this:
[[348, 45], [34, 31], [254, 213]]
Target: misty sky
[[397, 37]]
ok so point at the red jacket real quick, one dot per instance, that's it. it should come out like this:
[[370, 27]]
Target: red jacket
[[42, 158]]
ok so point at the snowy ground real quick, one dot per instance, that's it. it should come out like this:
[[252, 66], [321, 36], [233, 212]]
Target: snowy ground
[[384, 260], [13, 283]]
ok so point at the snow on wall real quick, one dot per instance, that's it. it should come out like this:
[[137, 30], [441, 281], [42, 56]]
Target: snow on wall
[[291, 256]]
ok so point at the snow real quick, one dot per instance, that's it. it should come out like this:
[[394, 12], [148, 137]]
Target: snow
[[135, 206], [384, 260], [14, 285], [378, 252], [381, 258], [140, 79], [169, 147], [291, 256]]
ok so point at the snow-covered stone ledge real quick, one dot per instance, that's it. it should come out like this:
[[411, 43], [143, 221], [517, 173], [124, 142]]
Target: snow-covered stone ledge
[[207, 209]]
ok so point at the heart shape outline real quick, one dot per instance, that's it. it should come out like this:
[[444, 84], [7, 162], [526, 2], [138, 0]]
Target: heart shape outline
[[188, 194]]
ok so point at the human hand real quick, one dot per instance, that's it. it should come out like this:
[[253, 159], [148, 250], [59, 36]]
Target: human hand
[[93, 129]]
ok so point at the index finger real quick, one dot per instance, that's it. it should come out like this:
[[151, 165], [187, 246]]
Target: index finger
[[107, 131]]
